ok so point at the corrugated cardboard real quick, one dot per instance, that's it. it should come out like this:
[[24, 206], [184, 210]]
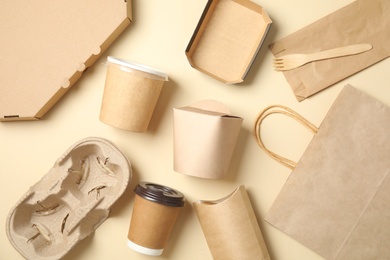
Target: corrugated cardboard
[[45, 47], [227, 39]]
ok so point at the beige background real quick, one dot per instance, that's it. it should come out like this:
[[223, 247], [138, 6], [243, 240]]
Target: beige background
[[158, 37]]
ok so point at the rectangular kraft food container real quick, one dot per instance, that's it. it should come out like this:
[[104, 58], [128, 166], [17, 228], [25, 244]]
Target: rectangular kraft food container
[[227, 39], [46, 46]]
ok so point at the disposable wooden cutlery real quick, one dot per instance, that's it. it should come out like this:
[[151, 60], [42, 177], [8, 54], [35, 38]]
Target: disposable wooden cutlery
[[292, 61]]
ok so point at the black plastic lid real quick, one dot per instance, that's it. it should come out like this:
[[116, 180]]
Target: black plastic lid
[[160, 194]]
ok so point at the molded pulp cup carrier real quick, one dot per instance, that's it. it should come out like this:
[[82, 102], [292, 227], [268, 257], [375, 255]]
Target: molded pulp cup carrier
[[70, 201]]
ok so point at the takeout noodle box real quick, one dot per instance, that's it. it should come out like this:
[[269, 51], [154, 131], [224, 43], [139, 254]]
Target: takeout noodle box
[[227, 39], [130, 94], [230, 227], [46, 46], [205, 135], [70, 201]]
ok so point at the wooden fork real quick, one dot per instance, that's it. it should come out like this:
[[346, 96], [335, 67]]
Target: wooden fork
[[292, 61]]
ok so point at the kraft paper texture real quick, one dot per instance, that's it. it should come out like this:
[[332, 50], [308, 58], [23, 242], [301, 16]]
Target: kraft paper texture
[[56, 45], [151, 223], [129, 99], [227, 39], [70, 201], [205, 135], [363, 21], [231, 228], [336, 201]]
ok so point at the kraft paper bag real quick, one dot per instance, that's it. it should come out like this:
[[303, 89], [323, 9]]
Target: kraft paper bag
[[337, 198], [230, 227], [205, 135], [363, 21]]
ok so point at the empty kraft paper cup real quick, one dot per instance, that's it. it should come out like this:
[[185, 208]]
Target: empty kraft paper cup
[[155, 211], [130, 94]]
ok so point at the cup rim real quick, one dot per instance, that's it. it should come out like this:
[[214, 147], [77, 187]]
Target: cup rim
[[137, 66]]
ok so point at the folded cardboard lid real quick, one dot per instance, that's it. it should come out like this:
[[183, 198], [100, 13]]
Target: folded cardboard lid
[[227, 39], [46, 45], [208, 107]]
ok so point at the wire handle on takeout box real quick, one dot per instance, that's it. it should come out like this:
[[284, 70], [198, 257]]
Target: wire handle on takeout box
[[279, 109]]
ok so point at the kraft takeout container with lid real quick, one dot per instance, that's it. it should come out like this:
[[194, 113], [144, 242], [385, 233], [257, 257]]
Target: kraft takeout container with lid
[[130, 94]]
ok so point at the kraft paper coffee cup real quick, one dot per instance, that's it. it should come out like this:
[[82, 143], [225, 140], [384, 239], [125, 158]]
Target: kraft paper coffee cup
[[155, 211], [130, 94]]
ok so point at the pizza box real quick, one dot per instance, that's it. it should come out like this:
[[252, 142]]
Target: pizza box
[[46, 46]]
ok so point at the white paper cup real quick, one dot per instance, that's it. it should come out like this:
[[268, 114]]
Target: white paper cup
[[130, 94]]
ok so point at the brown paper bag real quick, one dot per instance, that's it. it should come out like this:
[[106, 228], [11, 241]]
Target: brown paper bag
[[363, 21], [205, 135], [336, 201], [230, 227]]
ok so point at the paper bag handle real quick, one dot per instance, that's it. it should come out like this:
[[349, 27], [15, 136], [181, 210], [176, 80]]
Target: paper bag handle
[[279, 109]]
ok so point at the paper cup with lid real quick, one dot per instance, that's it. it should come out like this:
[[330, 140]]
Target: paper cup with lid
[[156, 208], [130, 94]]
